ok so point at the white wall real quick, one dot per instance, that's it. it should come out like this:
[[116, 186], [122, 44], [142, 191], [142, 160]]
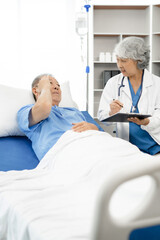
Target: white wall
[[38, 36]]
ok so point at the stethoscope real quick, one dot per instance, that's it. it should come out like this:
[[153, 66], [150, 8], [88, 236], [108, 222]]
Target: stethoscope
[[133, 107], [122, 85]]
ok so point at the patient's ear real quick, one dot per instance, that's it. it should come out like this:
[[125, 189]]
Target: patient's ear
[[35, 92]]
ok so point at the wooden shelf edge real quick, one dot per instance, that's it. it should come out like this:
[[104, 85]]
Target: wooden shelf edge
[[107, 34], [135, 34], [120, 34], [156, 33], [139, 7], [98, 62]]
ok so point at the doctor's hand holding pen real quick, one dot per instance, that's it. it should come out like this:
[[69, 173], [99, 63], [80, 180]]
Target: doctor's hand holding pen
[[115, 106]]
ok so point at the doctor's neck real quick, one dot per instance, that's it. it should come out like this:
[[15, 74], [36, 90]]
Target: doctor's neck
[[137, 76]]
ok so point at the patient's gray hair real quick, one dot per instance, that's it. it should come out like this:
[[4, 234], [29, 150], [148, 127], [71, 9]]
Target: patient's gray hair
[[37, 79], [134, 48]]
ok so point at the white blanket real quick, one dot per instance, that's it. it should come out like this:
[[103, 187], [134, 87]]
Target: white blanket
[[56, 201]]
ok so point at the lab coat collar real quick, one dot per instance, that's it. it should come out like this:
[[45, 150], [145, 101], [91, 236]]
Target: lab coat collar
[[147, 79], [147, 82]]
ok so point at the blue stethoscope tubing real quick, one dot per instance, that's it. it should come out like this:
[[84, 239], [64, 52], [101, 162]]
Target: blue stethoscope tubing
[[122, 85]]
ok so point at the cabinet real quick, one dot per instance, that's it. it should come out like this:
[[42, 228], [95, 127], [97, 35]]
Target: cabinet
[[110, 25], [156, 39]]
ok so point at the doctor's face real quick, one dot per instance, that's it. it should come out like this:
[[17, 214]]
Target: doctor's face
[[128, 67]]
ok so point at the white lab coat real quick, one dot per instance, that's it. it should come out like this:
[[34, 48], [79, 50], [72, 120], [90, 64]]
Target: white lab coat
[[149, 103]]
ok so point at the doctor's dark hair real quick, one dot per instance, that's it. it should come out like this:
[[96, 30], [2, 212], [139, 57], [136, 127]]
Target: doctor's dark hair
[[37, 79], [134, 48]]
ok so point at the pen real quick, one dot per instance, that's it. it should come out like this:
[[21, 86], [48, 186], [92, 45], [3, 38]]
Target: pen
[[118, 103]]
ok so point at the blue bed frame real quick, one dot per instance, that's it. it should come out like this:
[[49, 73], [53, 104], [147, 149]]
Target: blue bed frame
[[16, 152]]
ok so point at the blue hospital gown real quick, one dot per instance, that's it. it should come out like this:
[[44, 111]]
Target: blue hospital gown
[[47, 132]]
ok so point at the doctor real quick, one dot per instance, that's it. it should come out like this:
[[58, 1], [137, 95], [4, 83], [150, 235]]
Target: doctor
[[134, 90]]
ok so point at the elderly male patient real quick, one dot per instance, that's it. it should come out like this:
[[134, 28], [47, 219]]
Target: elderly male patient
[[44, 122]]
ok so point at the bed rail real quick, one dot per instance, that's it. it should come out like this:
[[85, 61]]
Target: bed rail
[[145, 220]]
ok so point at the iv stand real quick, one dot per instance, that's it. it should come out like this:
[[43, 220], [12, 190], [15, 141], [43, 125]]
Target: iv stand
[[87, 6]]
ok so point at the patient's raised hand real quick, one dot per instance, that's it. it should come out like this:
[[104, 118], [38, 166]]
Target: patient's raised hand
[[83, 126]]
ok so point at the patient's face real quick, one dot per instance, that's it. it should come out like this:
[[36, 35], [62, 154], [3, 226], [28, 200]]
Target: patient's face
[[55, 91], [54, 88]]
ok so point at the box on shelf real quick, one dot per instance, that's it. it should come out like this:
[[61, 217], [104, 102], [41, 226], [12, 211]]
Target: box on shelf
[[107, 74]]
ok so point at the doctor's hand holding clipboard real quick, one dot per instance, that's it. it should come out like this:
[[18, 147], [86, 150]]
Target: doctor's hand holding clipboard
[[135, 91], [116, 106]]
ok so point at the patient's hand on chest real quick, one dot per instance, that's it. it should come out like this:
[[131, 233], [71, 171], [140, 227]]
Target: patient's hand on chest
[[83, 126]]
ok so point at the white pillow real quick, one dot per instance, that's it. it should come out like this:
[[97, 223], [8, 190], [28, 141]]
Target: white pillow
[[12, 99], [66, 100]]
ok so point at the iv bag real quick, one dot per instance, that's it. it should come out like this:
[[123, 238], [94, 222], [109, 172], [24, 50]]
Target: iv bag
[[81, 24]]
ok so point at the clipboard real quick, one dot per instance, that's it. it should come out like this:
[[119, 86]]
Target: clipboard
[[123, 117]]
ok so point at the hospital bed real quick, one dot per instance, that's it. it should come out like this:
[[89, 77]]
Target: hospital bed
[[15, 149], [143, 221], [16, 152], [95, 203]]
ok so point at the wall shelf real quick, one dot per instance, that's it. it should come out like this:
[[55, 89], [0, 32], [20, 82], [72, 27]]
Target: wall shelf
[[156, 61], [110, 25], [140, 7], [98, 90], [120, 34], [98, 62]]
